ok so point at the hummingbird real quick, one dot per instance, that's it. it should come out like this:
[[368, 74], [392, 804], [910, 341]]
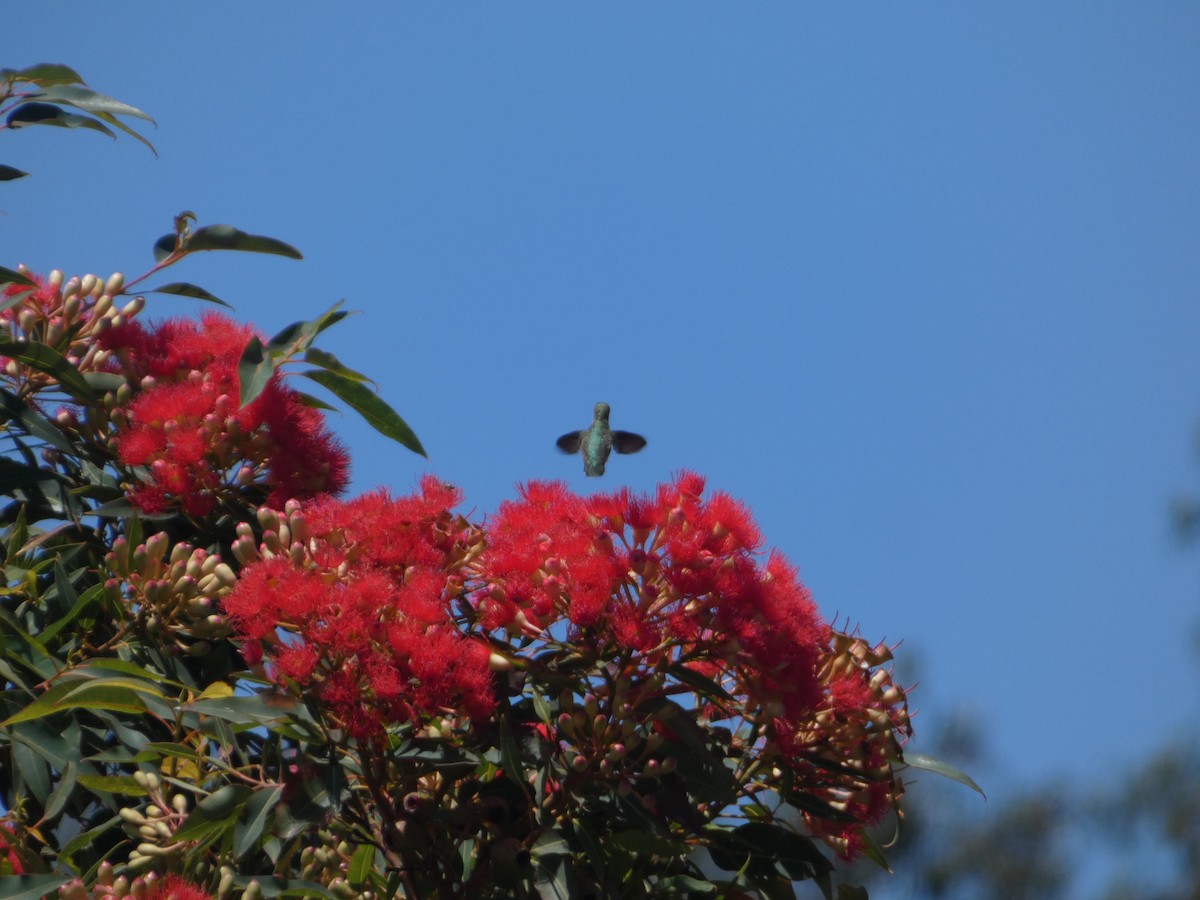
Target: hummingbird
[[598, 440]]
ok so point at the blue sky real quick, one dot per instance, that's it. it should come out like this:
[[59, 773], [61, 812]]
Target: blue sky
[[918, 282]]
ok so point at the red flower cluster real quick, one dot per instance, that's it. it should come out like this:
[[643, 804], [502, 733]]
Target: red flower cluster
[[186, 428], [675, 576], [172, 887], [364, 591]]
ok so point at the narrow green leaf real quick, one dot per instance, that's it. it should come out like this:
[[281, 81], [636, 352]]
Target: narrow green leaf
[[510, 756], [370, 406], [31, 887], [315, 403], [8, 173], [50, 362], [930, 764], [14, 409], [88, 100], [117, 123], [258, 812], [61, 793], [226, 237], [183, 289], [47, 114], [255, 369], [544, 713], [121, 785], [85, 839], [299, 336], [216, 812], [31, 770], [258, 709], [11, 276], [43, 74], [164, 246], [85, 600], [328, 361], [361, 865]]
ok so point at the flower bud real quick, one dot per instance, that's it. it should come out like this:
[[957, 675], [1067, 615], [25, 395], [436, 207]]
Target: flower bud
[[115, 284]]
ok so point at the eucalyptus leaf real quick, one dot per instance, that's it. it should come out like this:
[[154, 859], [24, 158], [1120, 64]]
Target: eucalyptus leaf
[[226, 237], [50, 362], [88, 100], [930, 764], [43, 74], [31, 887], [299, 336], [368, 404], [11, 276], [48, 114], [8, 173], [183, 289], [215, 813], [255, 370]]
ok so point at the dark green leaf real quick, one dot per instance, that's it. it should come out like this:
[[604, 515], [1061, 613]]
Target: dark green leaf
[[15, 409], [164, 247], [315, 403], [510, 755], [31, 770], [851, 892], [299, 336], [362, 863], [257, 709], [639, 841], [258, 812], [31, 887], [255, 370], [85, 839], [328, 361], [214, 813], [88, 100], [50, 362], [8, 173], [226, 237], [368, 404], [11, 276], [46, 114], [87, 599], [43, 74], [929, 764], [183, 289], [61, 793]]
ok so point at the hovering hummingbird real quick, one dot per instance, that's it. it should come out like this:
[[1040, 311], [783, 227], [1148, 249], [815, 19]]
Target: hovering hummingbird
[[598, 440]]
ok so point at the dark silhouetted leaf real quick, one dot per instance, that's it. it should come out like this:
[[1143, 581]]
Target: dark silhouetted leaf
[[164, 247], [8, 173], [226, 237], [183, 289], [15, 409], [258, 812], [47, 114], [368, 404], [10, 276]]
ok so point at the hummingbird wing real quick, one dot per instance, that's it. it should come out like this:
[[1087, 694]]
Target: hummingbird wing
[[570, 442], [624, 442]]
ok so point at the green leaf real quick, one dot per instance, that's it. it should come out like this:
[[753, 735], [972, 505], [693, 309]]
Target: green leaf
[[15, 409], [641, 842], [121, 785], [85, 600], [50, 362], [226, 237], [89, 101], [328, 361], [183, 289], [215, 813], [362, 863], [31, 887], [8, 173], [62, 793], [257, 709], [43, 74], [11, 276], [47, 114], [370, 406], [255, 369], [258, 813], [510, 755], [930, 764], [299, 336]]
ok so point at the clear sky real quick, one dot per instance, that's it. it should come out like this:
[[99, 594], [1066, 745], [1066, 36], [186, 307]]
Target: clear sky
[[918, 282]]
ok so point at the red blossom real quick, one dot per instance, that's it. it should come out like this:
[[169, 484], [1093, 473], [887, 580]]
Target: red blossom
[[172, 887], [186, 425]]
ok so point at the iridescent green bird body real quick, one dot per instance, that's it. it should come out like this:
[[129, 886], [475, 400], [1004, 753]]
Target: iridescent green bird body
[[597, 441]]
